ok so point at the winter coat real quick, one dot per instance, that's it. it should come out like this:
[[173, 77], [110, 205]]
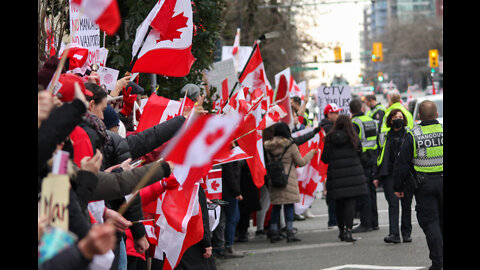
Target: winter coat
[[249, 191], [112, 186], [345, 176], [231, 180], [56, 128], [290, 193], [391, 148]]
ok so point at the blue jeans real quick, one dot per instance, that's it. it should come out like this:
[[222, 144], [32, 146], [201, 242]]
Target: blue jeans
[[232, 216], [122, 261], [275, 216]]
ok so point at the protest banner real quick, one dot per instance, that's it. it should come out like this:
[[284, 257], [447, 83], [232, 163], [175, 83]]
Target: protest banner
[[54, 200], [339, 94]]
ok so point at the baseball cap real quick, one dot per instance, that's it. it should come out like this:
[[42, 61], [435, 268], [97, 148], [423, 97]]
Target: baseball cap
[[66, 82], [332, 107]]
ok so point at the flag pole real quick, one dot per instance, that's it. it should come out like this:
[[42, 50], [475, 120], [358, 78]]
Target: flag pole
[[138, 52], [243, 70], [140, 185]]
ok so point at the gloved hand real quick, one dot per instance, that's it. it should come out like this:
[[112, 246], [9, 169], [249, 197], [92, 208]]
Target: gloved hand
[[317, 129], [128, 101], [170, 183]]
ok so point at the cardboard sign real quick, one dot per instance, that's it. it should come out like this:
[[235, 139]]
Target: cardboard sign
[[218, 73], [340, 95], [54, 200]]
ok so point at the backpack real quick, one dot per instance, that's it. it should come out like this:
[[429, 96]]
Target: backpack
[[276, 171]]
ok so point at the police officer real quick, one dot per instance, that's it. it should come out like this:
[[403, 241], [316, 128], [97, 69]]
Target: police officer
[[377, 110], [422, 155], [393, 103], [367, 130]]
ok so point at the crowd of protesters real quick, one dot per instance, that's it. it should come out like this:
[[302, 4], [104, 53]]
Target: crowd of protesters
[[102, 143]]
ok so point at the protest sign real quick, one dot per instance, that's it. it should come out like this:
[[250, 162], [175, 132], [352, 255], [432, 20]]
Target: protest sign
[[243, 55], [87, 35], [218, 73], [54, 200], [340, 95], [108, 77]]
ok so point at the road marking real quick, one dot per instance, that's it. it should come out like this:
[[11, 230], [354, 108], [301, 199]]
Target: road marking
[[364, 267], [296, 247]]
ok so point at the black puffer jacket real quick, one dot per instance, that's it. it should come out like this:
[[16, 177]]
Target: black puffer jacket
[[345, 176]]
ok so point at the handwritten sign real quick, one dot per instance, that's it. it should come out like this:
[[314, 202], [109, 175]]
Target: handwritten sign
[[54, 200], [87, 35], [340, 95]]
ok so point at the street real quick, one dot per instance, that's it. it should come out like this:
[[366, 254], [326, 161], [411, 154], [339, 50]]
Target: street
[[320, 249]]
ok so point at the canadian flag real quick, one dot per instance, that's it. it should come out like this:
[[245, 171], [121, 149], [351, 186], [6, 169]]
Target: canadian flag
[[235, 154], [309, 176], [104, 13], [298, 89], [250, 140], [283, 100], [166, 35], [273, 115], [197, 144], [254, 75], [222, 99], [212, 184], [180, 222], [237, 104], [236, 42], [157, 110], [288, 75]]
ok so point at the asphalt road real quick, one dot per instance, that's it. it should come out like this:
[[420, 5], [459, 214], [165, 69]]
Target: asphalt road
[[321, 249]]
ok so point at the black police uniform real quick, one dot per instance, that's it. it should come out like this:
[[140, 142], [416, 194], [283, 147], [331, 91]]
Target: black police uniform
[[428, 192]]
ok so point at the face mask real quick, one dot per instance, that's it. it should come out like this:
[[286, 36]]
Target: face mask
[[398, 123]]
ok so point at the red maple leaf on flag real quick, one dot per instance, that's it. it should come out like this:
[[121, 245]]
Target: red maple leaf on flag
[[212, 137], [175, 24], [275, 116], [214, 185], [258, 80]]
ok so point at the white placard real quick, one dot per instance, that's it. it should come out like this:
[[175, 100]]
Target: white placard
[[340, 95]]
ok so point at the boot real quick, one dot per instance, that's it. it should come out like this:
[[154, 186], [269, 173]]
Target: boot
[[275, 236], [341, 235], [291, 237], [392, 238], [231, 253], [348, 236]]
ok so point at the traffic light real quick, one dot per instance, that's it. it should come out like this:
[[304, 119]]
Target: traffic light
[[433, 57], [338, 54], [377, 52], [380, 76]]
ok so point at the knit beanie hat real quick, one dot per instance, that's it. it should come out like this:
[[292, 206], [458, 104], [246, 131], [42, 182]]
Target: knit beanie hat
[[110, 117], [193, 91]]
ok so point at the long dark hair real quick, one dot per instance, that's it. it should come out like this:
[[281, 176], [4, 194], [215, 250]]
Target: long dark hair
[[344, 123], [392, 114], [281, 129]]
